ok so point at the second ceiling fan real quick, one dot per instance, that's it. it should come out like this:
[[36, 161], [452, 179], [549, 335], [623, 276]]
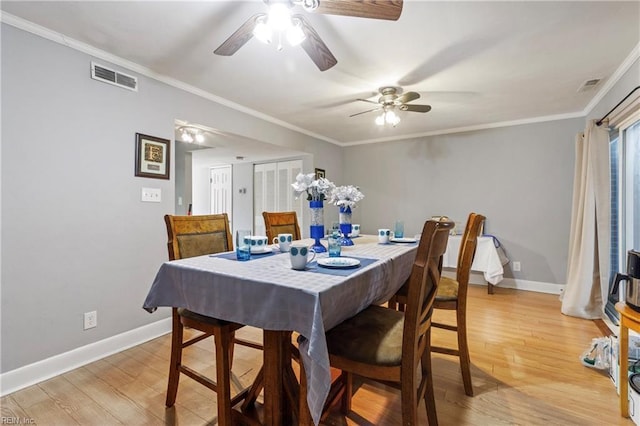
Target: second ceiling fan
[[392, 97], [279, 21]]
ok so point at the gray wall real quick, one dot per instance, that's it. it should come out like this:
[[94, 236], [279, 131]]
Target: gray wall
[[519, 177], [75, 235]]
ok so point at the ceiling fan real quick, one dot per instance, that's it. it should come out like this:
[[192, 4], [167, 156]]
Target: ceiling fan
[[391, 97], [297, 29]]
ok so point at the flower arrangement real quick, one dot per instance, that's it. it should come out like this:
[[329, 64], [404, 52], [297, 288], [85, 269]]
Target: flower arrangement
[[316, 189], [346, 196]]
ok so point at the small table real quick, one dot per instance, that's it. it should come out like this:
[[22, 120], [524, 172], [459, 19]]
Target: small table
[[629, 319], [489, 258]]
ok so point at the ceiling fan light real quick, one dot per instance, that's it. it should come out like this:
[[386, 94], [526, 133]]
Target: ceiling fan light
[[295, 35], [262, 32], [279, 17], [199, 138], [380, 119], [391, 117]]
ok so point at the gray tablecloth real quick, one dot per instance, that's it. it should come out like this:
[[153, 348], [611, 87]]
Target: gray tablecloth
[[268, 294]]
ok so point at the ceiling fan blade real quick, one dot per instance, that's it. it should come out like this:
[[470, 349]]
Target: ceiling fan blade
[[407, 97], [415, 108], [315, 47], [239, 37], [364, 112], [366, 100], [374, 9]]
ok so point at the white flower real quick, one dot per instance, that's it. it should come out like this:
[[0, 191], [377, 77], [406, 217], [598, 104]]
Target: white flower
[[346, 196], [317, 189]]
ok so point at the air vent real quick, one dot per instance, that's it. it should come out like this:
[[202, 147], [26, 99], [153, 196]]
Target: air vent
[[589, 84], [106, 75]]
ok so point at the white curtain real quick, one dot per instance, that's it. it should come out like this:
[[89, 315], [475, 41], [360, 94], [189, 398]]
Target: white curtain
[[588, 265]]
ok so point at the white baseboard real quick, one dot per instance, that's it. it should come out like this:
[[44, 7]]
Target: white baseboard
[[37, 372], [537, 286]]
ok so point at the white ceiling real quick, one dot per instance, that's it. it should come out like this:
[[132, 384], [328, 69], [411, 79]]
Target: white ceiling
[[476, 63]]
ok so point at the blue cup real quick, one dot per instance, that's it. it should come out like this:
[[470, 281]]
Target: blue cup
[[398, 231], [334, 246], [243, 245]]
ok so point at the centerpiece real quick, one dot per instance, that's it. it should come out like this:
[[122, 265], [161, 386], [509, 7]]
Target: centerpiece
[[346, 197], [317, 191]]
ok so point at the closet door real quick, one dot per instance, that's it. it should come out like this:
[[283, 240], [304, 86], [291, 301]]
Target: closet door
[[273, 192]]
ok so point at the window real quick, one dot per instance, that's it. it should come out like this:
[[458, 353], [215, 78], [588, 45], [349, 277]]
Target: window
[[624, 150]]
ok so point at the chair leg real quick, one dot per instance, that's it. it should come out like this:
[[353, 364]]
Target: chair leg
[[463, 349], [231, 347], [223, 376], [348, 392], [176, 358], [409, 402], [429, 397]]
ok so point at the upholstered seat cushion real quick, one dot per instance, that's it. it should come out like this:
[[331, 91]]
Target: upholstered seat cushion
[[373, 336], [447, 289], [201, 318]]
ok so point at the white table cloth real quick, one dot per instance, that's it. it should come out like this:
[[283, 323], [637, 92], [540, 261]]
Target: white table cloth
[[266, 293], [489, 257]]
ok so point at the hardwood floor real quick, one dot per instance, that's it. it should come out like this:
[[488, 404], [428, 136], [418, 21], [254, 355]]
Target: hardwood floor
[[526, 371]]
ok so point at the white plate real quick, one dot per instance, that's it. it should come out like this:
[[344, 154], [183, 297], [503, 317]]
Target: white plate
[[338, 262], [263, 251], [403, 240]]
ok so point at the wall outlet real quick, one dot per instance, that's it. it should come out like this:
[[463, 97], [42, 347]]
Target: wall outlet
[[515, 266], [90, 319]]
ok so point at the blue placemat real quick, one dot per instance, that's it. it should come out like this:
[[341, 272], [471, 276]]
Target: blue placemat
[[364, 261], [231, 255]]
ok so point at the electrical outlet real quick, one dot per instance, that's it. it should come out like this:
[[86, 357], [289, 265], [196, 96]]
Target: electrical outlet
[[515, 266], [90, 319]]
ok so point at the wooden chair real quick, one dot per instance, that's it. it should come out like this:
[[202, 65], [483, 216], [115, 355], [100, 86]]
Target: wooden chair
[[452, 295], [281, 223], [191, 236], [388, 345]]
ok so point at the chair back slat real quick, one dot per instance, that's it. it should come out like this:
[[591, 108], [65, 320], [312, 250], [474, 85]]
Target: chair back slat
[[190, 236]]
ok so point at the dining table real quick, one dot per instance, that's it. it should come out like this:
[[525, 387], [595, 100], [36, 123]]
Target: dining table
[[265, 292]]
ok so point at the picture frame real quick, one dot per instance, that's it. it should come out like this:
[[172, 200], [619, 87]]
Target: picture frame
[[153, 157], [320, 173]]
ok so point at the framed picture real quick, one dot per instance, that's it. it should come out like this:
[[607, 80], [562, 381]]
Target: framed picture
[[152, 156], [320, 173]]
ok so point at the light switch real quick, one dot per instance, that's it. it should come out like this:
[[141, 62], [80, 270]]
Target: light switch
[[151, 195]]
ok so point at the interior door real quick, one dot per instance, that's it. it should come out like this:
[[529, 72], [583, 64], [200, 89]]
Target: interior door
[[221, 191]]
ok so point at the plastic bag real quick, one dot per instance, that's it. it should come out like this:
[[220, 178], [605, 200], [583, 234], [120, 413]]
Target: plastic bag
[[598, 355]]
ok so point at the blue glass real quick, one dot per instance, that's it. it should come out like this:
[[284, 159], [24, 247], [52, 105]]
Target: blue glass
[[243, 245], [398, 232], [334, 245]]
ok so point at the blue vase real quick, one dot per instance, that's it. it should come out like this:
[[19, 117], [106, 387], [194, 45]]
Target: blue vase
[[317, 225], [345, 226]]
